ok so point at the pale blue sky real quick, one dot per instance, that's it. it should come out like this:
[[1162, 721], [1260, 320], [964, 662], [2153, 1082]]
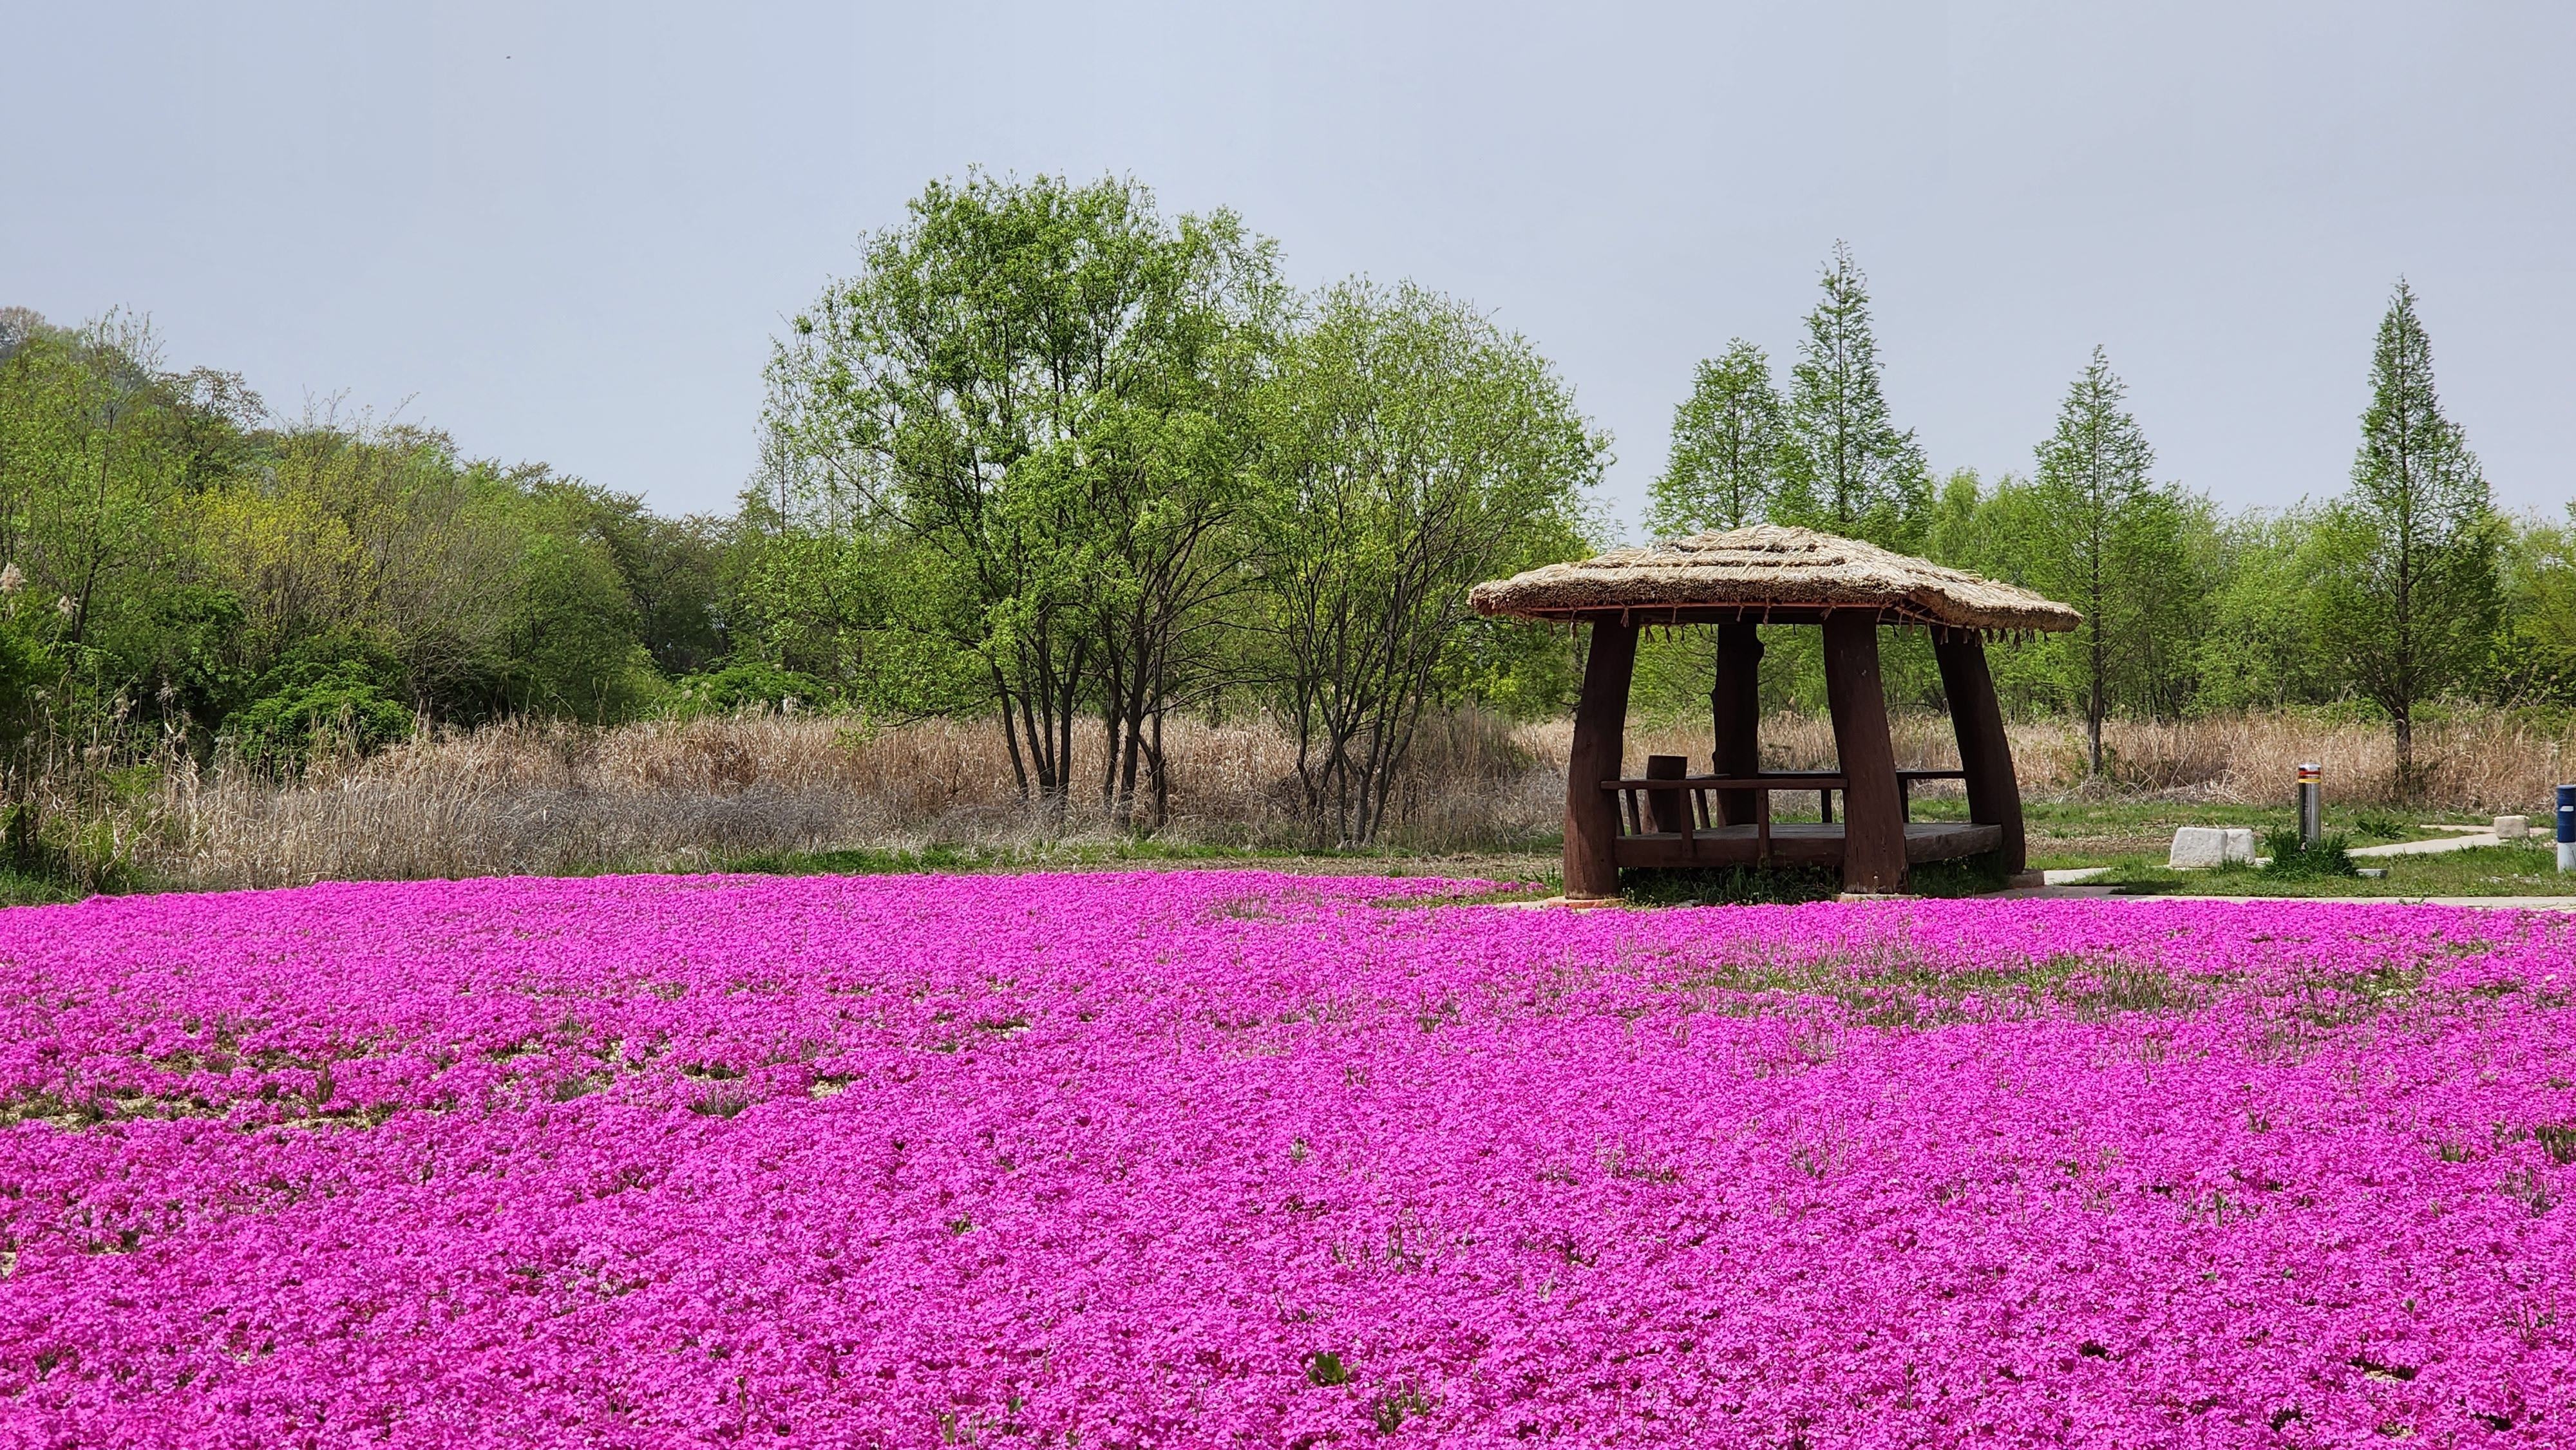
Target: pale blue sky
[[568, 232]]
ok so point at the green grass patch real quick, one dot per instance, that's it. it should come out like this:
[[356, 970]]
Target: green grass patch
[[1500, 896], [19, 889], [859, 862], [1964, 876], [1728, 885], [1897, 988], [2366, 825], [2508, 870], [2072, 835]]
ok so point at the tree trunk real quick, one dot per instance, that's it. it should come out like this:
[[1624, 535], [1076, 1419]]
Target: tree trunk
[[1158, 776], [1011, 736], [2093, 704]]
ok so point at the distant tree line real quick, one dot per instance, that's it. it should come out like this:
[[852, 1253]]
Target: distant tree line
[[1053, 458], [2405, 591], [171, 555]]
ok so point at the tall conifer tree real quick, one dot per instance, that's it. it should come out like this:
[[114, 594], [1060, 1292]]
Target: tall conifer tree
[[2406, 600], [2111, 529], [1850, 470], [1724, 470]]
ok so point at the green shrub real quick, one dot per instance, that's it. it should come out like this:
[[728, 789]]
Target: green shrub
[[746, 684], [27, 666], [335, 691], [2328, 857], [571, 640]]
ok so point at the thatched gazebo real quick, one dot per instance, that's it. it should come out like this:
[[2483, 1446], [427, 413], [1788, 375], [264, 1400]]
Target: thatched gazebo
[[1737, 581]]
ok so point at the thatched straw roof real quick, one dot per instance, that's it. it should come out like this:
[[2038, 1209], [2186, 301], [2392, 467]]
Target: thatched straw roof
[[1771, 573]]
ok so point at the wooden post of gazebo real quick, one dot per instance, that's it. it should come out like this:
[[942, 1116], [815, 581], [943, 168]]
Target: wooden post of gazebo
[[1873, 817], [1735, 704], [1739, 581], [1600, 738], [1994, 793]]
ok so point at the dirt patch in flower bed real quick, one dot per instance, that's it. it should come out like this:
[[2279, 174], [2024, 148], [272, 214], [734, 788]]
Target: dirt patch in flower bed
[[1234, 1157]]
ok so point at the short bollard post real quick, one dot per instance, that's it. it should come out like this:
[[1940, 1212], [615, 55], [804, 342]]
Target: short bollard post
[[2312, 825], [2567, 828]]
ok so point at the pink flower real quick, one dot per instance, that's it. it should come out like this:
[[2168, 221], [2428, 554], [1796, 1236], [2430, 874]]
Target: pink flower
[[1235, 1158]]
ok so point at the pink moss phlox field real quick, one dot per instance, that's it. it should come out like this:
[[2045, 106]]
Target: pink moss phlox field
[[1241, 1159]]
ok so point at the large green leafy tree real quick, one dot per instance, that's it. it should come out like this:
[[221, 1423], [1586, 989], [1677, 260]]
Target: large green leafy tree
[[104, 458], [2406, 593], [1728, 438], [1850, 470], [2003, 532], [1021, 398], [1412, 450], [90, 467], [1169, 485], [2114, 550]]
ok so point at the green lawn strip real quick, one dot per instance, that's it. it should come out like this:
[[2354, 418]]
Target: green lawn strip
[[2370, 824], [2058, 840], [2477, 871], [2071, 835]]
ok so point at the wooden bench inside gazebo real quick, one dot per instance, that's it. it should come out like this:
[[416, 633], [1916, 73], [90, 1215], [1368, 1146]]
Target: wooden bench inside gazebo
[[1736, 582]]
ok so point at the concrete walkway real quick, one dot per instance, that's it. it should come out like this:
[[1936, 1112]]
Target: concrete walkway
[[2469, 838]]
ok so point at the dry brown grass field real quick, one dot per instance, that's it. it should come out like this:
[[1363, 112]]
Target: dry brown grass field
[[2472, 761], [544, 799]]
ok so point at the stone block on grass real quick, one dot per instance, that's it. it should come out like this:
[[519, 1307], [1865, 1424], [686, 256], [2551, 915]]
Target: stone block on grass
[[2512, 828], [2198, 847]]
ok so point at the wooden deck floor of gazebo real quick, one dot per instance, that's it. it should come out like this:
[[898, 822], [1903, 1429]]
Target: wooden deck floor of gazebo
[[1796, 843]]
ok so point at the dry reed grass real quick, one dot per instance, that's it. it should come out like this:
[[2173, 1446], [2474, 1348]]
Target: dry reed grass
[[549, 799], [529, 798], [2470, 760]]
